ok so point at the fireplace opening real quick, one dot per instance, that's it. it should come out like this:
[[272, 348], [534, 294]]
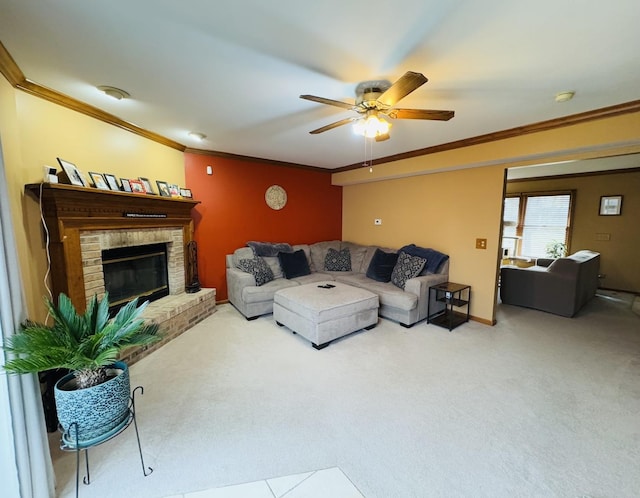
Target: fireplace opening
[[139, 271]]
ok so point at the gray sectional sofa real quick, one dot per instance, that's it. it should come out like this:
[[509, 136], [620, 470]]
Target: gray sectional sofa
[[406, 305], [561, 286]]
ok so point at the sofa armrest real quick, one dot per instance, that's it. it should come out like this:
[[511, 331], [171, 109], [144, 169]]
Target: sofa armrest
[[544, 261], [420, 287], [236, 281]]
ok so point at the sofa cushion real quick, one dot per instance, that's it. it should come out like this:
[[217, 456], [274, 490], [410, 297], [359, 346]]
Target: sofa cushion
[[434, 258], [337, 260], [253, 294], [294, 264], [259, 268], [407, 267], [269, 248], [388, 294], [274, 264], [382, 265], [242, 253], [319, 253], [358, 253]]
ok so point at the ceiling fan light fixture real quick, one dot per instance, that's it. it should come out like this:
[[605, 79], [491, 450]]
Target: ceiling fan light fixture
[[113, 92], [371, 126]]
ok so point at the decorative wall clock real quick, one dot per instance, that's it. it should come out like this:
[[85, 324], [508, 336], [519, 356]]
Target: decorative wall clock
[[276, 197]]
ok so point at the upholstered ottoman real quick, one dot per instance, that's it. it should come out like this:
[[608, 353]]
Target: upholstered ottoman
[[321, 313]]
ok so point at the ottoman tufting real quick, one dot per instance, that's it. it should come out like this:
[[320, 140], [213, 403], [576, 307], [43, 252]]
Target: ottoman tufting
[[324, 311]]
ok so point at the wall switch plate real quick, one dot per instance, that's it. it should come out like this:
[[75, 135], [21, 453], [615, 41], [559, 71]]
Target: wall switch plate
[[603, 236], [209, 170], [377, 221], [481, 243]]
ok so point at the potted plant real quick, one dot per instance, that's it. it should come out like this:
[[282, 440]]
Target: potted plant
[[93, 399], [555, 249]]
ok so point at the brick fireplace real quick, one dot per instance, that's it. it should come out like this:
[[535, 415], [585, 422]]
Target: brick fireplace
[[82, 222]]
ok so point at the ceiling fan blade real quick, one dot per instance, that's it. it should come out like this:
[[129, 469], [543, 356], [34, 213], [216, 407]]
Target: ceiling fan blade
[[401, 88], [420, 114], [322, 100], [332, 126]]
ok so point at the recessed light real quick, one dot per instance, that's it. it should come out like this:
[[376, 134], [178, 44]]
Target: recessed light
[[564, 96], [197, 135], [113, 92]]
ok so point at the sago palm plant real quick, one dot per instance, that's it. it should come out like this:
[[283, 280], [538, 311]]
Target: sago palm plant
[[86, 344]]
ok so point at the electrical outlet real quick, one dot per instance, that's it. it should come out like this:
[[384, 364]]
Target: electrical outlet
[[377, 221], [481, 243]]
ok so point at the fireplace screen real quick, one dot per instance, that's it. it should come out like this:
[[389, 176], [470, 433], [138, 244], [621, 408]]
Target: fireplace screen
[[139, 271]]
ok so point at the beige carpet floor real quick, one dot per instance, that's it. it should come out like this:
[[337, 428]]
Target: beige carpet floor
[[538, 405]]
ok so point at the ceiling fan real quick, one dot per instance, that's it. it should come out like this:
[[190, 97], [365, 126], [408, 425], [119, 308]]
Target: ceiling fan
[[375, 99]]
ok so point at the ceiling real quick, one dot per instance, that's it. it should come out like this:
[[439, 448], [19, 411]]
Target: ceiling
[[234, 70]]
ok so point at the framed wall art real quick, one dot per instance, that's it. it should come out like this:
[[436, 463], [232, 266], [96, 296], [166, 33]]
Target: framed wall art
[[611, 205]]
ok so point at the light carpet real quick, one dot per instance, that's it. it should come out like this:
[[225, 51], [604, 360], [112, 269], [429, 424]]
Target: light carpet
[[538, 405]]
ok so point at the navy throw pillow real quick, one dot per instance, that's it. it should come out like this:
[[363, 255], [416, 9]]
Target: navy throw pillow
[[294, 264], [435, 259], [382, 265]]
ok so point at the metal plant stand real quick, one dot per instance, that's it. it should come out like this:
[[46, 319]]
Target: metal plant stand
[[70, 443]]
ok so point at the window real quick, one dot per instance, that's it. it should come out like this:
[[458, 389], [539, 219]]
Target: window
[[532, 221]]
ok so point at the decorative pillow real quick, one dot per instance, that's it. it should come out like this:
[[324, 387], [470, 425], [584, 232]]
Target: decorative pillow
[[434, 258], [294, 264], [269, 248], [259, 268], [337, 260], [382, 265], [407, 267]]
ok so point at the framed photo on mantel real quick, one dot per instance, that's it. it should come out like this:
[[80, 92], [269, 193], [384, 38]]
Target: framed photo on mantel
[[72, 174]]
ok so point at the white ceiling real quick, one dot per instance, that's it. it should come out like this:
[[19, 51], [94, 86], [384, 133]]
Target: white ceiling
[[234, 70]]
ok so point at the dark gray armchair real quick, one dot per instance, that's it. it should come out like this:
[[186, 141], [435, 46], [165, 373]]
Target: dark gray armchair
[[561, 286]]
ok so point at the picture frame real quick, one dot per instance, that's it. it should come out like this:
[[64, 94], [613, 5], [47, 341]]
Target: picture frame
[[73, 174], [174, 190], [610, 205], [185, 192], [112, 181], [137, 187], [163, 188], [147, 185], [98, 180], [126, 186]]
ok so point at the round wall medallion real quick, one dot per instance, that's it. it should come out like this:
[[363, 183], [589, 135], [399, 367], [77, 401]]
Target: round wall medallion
[[276, 197]]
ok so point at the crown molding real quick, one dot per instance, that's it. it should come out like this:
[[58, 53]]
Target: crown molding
[[583, 117], [17, 79]]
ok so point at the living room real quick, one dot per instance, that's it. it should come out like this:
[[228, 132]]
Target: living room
[[440, 198]]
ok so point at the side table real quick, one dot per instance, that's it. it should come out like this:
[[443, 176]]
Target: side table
[[453, 296]]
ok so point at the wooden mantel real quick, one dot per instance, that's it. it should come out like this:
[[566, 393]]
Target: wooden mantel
[[68, 210]]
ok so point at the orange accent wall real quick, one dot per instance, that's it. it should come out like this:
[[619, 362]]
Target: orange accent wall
[[233, 210]]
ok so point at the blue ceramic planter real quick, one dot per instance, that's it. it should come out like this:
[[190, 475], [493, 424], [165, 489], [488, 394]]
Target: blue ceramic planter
[[96, 410]]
